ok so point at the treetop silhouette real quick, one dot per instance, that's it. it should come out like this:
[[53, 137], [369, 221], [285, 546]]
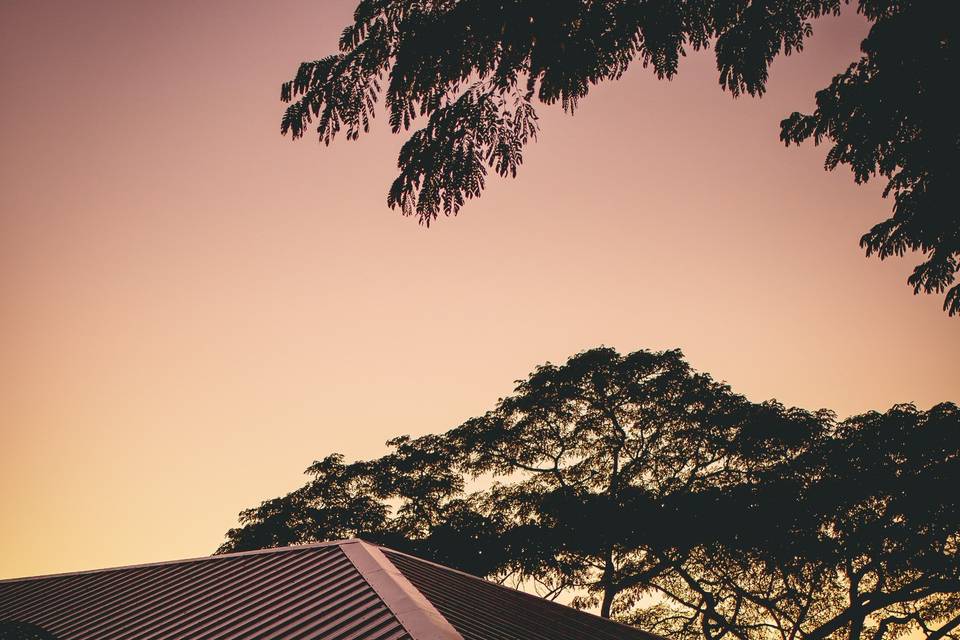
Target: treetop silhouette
[[642, 487], [473, 70]]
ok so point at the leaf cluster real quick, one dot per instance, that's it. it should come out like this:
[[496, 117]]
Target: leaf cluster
[[891, 114], [474, 69]]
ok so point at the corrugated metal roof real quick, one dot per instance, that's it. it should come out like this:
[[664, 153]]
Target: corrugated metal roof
[[345, 590], [297, 593], [482, 610]]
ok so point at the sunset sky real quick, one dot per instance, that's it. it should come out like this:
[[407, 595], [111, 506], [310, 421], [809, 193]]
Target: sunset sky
[[194, 308]]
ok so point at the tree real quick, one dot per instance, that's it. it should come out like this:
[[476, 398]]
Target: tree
[[578, 443], [660, 496], [854, 537], [602, 436], [474, 69], [412, 500]]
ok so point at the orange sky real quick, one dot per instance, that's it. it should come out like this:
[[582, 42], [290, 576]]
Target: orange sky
[[193, 308]]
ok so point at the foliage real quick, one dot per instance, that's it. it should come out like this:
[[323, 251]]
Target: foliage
[[473, 69], [892, 113], [652, 491], [854, 536], [412, 500]]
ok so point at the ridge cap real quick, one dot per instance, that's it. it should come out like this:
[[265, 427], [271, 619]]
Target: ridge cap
[[407, 603]]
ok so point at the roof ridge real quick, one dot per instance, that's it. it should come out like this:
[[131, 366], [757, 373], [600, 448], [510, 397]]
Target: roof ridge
[[215, 556], [404, 597], [408, 604]]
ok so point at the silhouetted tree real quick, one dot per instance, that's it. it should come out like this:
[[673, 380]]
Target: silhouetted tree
[[412, 499], [656, 493], [473, 69], [854, 537], [599, 437]]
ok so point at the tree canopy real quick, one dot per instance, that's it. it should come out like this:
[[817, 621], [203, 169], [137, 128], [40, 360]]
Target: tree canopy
[[637, 485], [472, 72]]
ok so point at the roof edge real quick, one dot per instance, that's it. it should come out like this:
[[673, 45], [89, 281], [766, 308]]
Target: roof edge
[[417, 615]]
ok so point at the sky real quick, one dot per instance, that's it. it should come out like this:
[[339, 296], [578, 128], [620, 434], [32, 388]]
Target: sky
[[193, 308]]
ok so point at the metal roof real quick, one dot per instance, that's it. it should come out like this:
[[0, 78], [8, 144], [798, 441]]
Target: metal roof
[[483, 610], [344, 590]]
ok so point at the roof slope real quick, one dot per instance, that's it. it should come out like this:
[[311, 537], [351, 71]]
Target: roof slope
[[313, 592], [483, 610], [345, 590]]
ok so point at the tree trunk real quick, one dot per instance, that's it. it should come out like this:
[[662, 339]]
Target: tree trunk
[[608, 590]]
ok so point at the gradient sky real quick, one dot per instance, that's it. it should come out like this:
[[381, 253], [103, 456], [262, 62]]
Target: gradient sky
[[193, 308]]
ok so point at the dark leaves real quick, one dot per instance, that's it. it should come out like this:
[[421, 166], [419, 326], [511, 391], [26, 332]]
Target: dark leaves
[[757, 33], [446, 162], [507, 52], [891, 114]]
